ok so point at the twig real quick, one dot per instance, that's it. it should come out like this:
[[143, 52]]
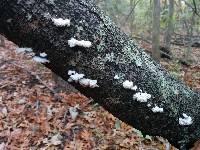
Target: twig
[[65, 117], [5, 85], [194, 9], [74, 139], [132, 9]]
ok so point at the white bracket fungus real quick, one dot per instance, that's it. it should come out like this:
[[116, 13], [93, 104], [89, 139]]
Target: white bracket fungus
[[43, 54], [82, 81], [59, 22], [134, 88], [187, 120], [129, 85], [93, 83], [157, 109], [141, 97], [148, 105], [88, 83], [71, 72], [40, 59], [116, 77], [76, 77], [73, 42]]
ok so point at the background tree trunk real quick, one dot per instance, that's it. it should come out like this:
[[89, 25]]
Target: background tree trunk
[[28, 23], [189, 28], [169, 31], [2, 41], [132, 17], [156, 30]]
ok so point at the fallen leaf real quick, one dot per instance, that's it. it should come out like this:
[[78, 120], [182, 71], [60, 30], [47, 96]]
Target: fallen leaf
[[56, 139], [73, 112], [3, 146], [4, 111]]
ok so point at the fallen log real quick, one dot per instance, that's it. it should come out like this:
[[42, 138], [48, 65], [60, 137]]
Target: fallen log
[[84, 47], [164, 52], [185, 40]]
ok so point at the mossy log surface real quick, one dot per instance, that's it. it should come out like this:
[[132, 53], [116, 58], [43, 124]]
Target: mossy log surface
[[28, 23]]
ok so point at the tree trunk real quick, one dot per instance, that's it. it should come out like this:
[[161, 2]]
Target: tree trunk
[[156, 30], [2, 41], [132, 16], [169, 31], [188, 51], [29, 24]]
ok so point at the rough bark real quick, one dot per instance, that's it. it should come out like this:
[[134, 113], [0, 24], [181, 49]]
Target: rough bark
[[28, 24]]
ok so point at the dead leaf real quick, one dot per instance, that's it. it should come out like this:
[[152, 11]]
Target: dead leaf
[[56, 139], [74, 112]]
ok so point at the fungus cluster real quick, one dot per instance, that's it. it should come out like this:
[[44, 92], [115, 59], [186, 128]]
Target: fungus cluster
[[43, 54], [59, 22], [157, 109], [85, 82], [116, 77], [141, 97], [73, 42], [148, 105], [42, 58], [187, 120], [79, 78], [129, 85]]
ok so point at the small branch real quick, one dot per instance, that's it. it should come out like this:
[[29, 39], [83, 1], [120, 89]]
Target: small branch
[[194, 9], [8, 84], [132, 9]]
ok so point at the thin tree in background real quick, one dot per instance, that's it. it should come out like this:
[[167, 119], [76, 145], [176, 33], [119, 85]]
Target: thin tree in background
[[133, 4], [2, 42], [132, 18], [188, 51], [156, 30], [170, 26]]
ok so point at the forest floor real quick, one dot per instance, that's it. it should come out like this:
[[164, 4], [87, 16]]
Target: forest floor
[[33, 116]]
